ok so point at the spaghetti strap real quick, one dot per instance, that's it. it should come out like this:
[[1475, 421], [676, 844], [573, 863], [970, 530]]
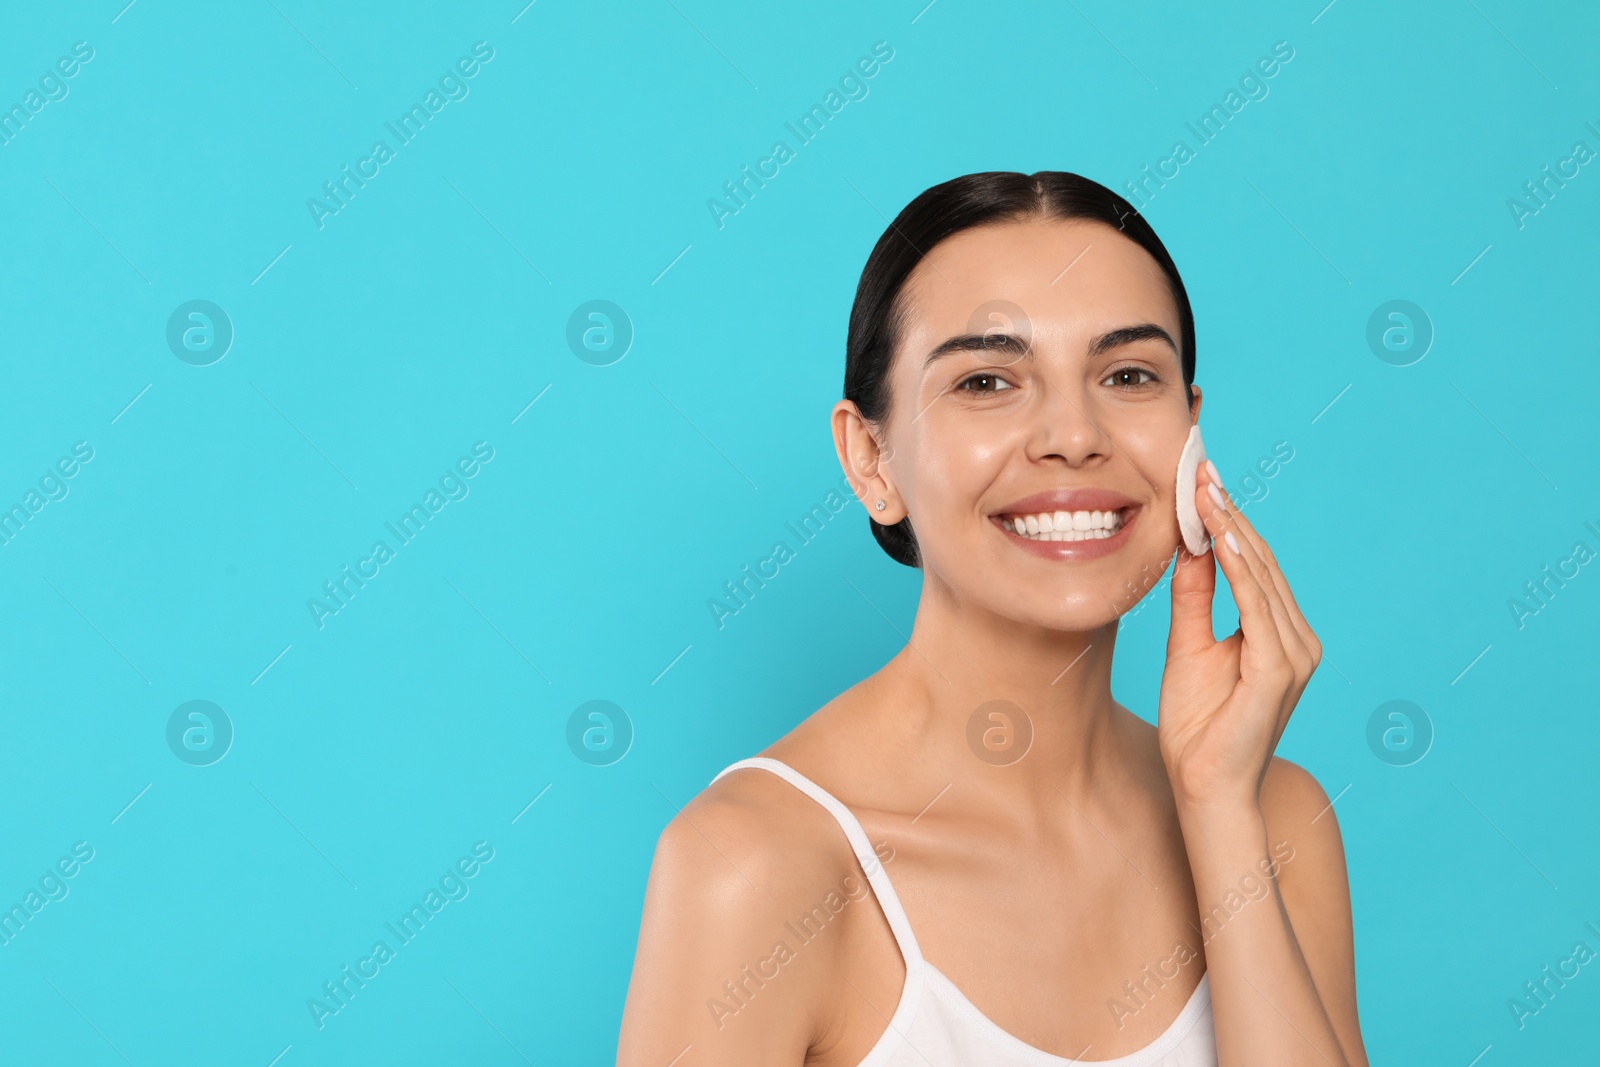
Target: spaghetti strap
[[877, 877]]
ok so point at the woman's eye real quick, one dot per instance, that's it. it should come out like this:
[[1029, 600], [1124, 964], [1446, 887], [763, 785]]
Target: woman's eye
[[983, 383], [1119, 378]]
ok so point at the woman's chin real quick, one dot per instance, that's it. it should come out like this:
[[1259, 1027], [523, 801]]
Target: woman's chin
[[1076, 614]]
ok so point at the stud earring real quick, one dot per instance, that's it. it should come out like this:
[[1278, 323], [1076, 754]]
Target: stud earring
[[880, 505]]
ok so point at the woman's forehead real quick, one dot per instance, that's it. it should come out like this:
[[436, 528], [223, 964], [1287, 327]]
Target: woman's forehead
[[1065, 275]]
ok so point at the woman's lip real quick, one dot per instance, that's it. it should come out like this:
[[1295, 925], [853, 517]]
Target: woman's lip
[[1085, 499], [1093, 548]]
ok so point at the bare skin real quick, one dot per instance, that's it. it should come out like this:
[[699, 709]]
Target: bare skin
[[1040, 887]]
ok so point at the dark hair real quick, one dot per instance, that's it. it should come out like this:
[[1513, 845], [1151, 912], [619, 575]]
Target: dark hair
[[877, 316]]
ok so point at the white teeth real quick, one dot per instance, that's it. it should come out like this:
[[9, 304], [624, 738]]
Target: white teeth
[[1065, 525]]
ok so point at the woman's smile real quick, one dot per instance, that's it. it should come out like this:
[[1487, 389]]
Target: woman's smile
[[1069, 524]]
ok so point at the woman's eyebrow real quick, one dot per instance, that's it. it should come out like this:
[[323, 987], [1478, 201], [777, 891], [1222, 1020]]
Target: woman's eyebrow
[[982, 342], [1016, 346], [1127, 335]]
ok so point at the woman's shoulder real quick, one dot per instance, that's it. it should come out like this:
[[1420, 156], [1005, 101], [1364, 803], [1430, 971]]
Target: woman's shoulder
[[1295, 806], [752, 828], [754, 814], [753, 841], [732, 869]]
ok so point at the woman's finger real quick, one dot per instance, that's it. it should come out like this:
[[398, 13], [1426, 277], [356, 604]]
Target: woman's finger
[[1299, 639], [1302, 627], [1256, 611], [1292, 663], [1194, 585], [1276, 669], [1247, 530]]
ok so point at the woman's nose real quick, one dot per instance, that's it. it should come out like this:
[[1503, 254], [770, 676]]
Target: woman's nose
[[1065, 424]]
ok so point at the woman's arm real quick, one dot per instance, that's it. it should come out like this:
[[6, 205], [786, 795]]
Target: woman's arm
[[1316, 893], [1275, 916], [1281, 994]]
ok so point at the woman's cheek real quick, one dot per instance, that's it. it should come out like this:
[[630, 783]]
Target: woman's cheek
[[968, 466], [1154, 453]]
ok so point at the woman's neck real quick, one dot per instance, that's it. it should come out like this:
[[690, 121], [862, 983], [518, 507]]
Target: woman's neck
[[975, 691]]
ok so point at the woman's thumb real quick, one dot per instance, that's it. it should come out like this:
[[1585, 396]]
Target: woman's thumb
[[1194, 584]]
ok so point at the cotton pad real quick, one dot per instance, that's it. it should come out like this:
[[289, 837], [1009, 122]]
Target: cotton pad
[[1193, 528]]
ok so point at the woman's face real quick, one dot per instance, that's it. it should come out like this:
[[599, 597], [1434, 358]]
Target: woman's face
[[1070, 414]]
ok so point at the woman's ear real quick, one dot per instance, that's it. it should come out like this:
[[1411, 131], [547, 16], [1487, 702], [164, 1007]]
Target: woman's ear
[[1194, 407], [865, 459]]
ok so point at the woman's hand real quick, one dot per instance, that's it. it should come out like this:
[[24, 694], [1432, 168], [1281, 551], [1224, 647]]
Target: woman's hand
[[1224, 704]]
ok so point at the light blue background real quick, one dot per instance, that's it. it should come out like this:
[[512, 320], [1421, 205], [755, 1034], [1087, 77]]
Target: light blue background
[[425, 316]]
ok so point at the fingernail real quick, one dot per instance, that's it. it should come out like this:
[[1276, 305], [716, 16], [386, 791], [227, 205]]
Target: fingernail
[[1216, 495], [1232, 543], [1211, 469]]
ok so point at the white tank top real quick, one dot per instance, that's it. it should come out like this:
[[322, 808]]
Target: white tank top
[[935, 1025]]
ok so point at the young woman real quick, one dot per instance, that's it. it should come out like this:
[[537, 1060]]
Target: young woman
[[1048, 878]]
